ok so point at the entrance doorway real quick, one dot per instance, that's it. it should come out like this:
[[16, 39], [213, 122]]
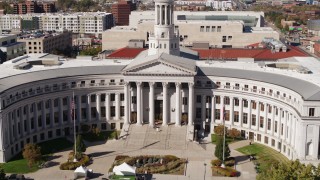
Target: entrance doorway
[[158, 112], [251, 135]]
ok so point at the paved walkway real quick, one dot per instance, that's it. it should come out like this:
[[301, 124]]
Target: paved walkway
[[199, 156]]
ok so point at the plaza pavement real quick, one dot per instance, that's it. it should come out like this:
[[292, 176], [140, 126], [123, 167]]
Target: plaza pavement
[[169, 140]]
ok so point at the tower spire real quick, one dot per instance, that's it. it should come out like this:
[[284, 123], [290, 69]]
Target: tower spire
[[164, 39]]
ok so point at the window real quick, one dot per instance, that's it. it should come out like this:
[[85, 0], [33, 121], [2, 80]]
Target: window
[[208, 113], [93, 98], [198, 112], [237, 86], [103, 97], [198, 98], [261, 107], [227, 115], [253, 119], [226, 100], [40, 121], [217, 114], [113, 126], [121, 111], [224, 38], [201, 28], [213, 28], [112, 97], [217, 99], [276, 126], [64, 101], [185, 101], [245, 118], [254, 89], [219, 29], [269, 108], [112, 111], [261, 121], [103, 111], [281, 128], [121, 97], [103, 126], [266, 140], [236, 116], [93, 112], [207, 28], [269, 124], [253, 105], [229, 38], [83, 99], [245, 103], [236, 102], [246, 87], [311, 112], [259, 137], [208, 99]]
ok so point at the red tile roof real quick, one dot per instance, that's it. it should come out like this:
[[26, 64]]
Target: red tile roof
[[125, 53], [257, 54]]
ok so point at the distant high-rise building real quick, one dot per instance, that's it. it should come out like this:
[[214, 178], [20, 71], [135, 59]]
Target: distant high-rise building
[[33, 7], [121, 12]]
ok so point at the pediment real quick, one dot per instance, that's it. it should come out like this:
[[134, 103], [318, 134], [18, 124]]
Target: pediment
[[158, 68]]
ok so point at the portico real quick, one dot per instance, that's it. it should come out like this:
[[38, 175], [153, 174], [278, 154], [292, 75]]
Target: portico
[[160, 82]]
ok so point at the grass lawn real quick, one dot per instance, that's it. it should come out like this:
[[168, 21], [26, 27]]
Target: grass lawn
[[103, 136], [123, 177], [266, 156], [20, 166], [229, 140]]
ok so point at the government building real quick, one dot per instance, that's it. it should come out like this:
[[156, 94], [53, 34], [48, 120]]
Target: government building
[[275, 103]]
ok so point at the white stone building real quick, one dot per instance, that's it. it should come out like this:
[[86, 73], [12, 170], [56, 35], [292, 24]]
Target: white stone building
[[81, 22], [276, 104], [10, 46], [219, 29]]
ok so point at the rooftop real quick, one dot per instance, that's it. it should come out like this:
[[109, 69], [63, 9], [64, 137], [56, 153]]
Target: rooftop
[[262, 54], [125, 53]]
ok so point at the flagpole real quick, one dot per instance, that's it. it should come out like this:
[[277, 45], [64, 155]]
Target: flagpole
[[74, 128], [224, 138]]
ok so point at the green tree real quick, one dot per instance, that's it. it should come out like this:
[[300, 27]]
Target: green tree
[[219, 149], [292, 170], [32, 153], [2, 174], [80, 146], [91, 51]]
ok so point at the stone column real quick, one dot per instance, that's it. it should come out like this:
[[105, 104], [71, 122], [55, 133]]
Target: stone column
[[108, 115], [165, 104], [161, 14], [151, 104], [98, 107], [232, 99], [258, 116], [273, 120], [190, 104], [88, 107], [60, 112], [221, 108], [43, 114], [78, 108], [2, 140], [126, 103], [285, 126], [51, 113], [28, 119], [266, 109], [241, 112], [178, 104], [166, 15], [249, 113], [279, 123], [157, 14], [203, 110], [117, 99], [139, 104]]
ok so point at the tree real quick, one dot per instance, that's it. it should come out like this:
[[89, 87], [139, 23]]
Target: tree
[[292, 170], [80, 146], [2, 174], [219, 149], [286, 28], [219, 129], [233, 133], [32, 153]]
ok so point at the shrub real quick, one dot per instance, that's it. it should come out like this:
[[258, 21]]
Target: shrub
[[229, 172], [216, 162], [120, 157], [73, 165], [230, 162]]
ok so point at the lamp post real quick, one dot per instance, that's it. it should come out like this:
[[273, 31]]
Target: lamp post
[[204, 176]]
